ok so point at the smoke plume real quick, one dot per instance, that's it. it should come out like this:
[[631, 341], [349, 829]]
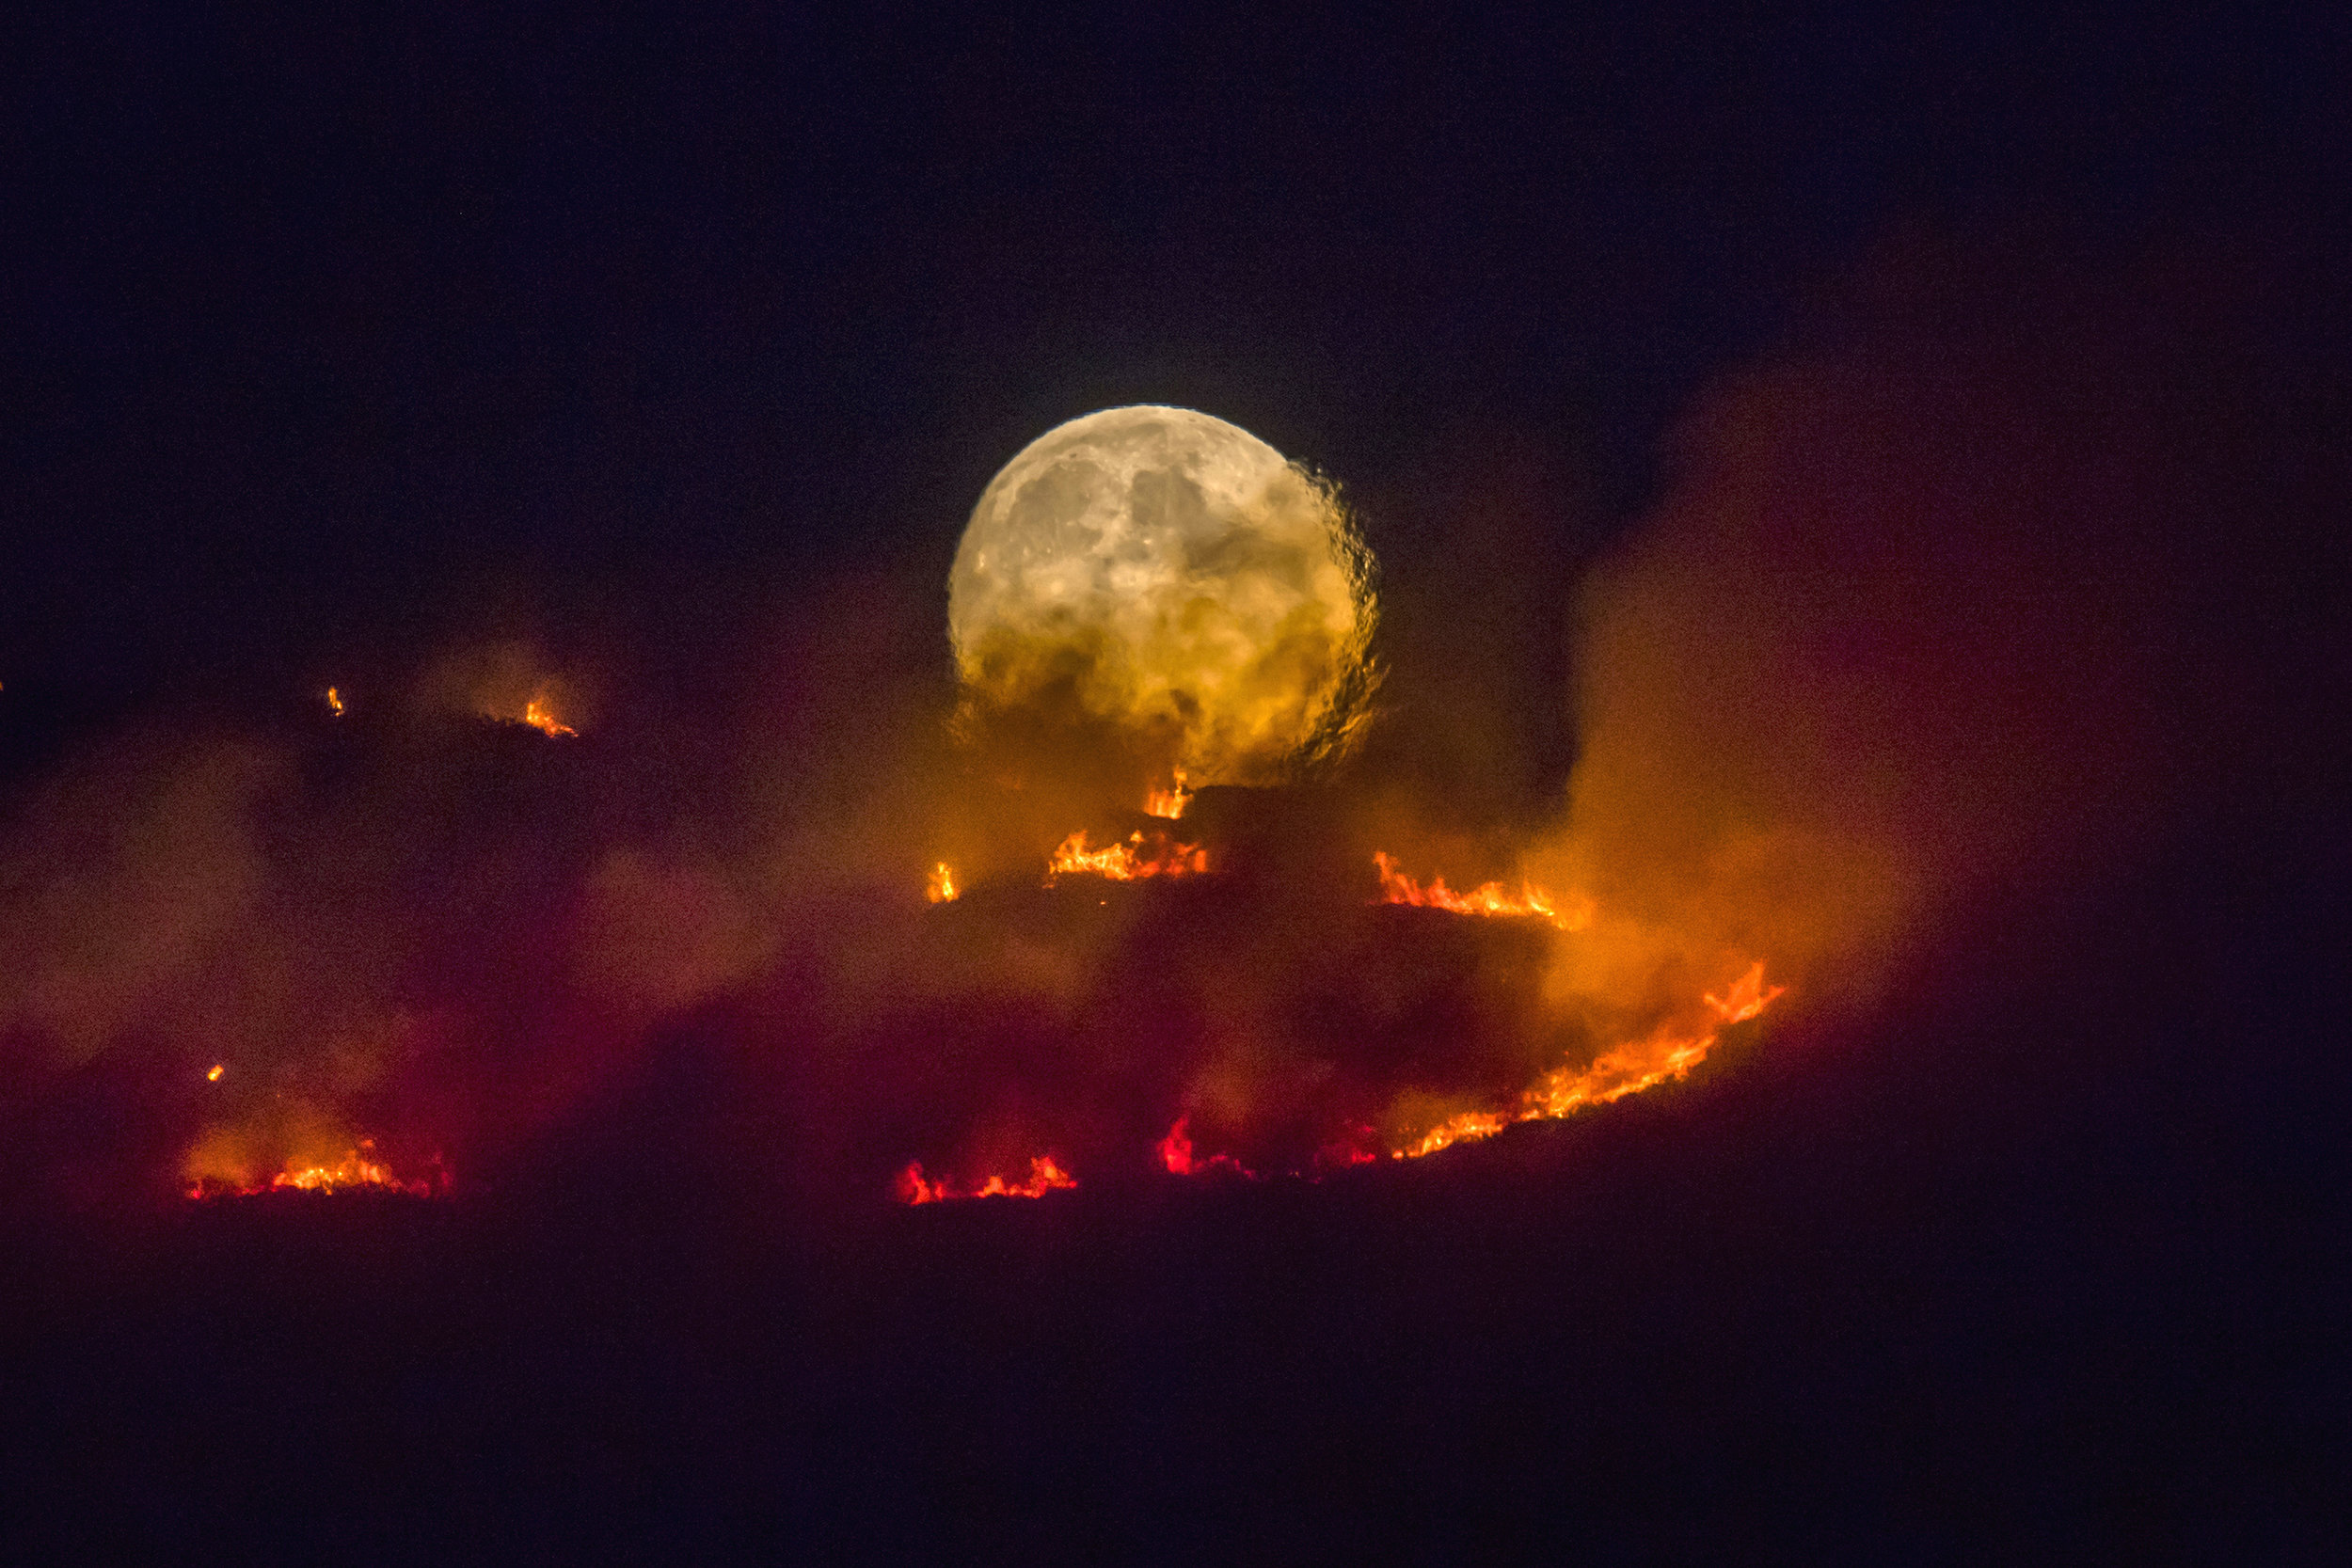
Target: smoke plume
[[1923, 617]]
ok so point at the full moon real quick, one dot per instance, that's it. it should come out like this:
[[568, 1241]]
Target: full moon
[[1172, 573]]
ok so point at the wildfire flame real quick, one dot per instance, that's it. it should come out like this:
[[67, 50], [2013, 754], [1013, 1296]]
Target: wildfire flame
[[537, 715], [1045, 1176], [1175, 1152], [1170, 803], [1748, 997], [1668, 1053], [1128, 861], [354, 1170], [213, 1076], [941, 888], [334, 701], [1562, 1092], [1572, 912]]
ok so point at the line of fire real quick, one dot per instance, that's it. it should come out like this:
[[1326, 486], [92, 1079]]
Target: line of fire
[[1301, 1007], [1665, 1051]]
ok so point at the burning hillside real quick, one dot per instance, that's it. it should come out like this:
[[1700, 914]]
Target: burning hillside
[[1276, 1015], [1156, 885]]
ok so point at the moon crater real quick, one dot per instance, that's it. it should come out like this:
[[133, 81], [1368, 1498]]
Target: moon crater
[[1173, 574]]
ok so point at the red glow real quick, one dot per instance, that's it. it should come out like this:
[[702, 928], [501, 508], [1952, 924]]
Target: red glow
[[1176, 1152], [912, 1186]]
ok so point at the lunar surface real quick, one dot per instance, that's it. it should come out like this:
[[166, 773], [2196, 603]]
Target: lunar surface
[[1172, 573]]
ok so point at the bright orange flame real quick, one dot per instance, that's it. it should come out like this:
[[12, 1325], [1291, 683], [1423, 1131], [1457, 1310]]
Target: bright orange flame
[[213, 1076], [1748, 997], [943, 889], [536, 714], [1045, 1176], [1571, 912], [1170, 803], [334, 701], [1630, 1069], [354, 1169], [1126, 863]]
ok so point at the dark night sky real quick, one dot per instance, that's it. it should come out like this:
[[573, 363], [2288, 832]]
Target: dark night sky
[[337, 337], [324, 329]]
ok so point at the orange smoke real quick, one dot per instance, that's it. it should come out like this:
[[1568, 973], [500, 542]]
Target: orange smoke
[[1747, 997], [1571, 912], [1045, 1175]]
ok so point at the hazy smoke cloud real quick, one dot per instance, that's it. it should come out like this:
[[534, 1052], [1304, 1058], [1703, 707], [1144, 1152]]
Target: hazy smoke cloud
[[1930, 609], [1926, 611]]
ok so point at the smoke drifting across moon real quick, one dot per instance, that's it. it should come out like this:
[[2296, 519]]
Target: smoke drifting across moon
[[1170, 573]]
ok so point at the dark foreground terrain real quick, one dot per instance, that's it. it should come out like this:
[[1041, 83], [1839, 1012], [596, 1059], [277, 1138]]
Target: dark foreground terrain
[[2048, 1252]]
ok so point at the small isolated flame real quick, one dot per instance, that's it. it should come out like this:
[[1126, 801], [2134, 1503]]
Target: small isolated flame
[[213, 1076], [1564, 1091], [1126, 863], [539, 716], [1175, 1151], [941, 888], [1045, 1176], [1170, 803], [1571, 912], [334, 701]]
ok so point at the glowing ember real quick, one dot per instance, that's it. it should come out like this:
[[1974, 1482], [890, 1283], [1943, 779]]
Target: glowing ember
[[1170, 803], [941, 888], [1045, 1176], [334, 701], [1628, 1071], [213, 1076], [1176, 1153], [537, 715], [1126, 863], [1572, 912]]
